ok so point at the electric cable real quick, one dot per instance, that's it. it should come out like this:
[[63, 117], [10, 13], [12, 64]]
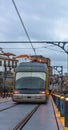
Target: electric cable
[[23, 25]]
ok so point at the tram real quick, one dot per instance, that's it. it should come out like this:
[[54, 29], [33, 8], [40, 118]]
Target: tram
[[31, 83]]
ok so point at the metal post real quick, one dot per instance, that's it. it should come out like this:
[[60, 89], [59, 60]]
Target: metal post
[[62, 105], [4, 84], [4, 81], [66, 110], [67, 63]]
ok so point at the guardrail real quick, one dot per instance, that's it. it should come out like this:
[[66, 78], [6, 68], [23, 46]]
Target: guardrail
[[61, 101]]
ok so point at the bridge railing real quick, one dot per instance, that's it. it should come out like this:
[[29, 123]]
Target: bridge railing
[[61, 102]]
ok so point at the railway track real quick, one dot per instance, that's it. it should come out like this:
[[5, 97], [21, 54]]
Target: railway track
[[8, 107], [23, 122], [43, 115]]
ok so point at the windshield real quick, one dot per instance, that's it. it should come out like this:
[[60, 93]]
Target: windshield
[[30, 81]]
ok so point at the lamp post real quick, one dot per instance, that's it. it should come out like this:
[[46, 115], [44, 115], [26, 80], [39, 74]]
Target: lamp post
[[66, 51], [5, 80], [64, 46], [67, 63]]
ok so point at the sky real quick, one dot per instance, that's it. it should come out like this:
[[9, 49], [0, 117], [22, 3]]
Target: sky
[[43, 19]]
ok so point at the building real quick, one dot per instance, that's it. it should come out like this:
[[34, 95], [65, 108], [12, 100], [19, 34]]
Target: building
[[8, 64]]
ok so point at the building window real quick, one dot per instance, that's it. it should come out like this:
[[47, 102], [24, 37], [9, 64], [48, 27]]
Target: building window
[[9, 63], [0, 63]]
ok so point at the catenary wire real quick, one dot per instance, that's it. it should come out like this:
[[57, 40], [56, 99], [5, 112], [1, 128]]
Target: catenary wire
[[36, 48], [23, 25]]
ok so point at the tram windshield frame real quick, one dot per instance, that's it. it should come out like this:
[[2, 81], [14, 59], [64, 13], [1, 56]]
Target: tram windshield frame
[[31, 76]]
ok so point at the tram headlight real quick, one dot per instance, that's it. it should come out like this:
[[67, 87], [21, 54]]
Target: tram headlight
[[42, 92], [16, 92]]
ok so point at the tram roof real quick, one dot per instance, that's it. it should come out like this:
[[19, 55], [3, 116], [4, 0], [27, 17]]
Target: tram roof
[[31, 66]]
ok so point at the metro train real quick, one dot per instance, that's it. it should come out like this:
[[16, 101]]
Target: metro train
[[31, 83]]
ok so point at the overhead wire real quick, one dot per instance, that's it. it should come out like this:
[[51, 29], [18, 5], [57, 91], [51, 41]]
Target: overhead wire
[[36, 48], [44, 42], [23, 25]]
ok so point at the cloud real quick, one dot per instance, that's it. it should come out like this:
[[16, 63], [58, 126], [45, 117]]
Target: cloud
[[61, 29], [43, 19]]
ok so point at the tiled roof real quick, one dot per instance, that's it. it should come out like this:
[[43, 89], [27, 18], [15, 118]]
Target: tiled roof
[[7, 58]]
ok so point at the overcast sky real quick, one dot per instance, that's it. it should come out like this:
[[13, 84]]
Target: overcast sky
[[43, 19]]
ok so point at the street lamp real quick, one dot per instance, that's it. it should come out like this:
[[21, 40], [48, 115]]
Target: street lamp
[[5, 72]]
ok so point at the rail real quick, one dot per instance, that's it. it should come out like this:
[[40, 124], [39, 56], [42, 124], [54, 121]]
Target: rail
[[21, 124]]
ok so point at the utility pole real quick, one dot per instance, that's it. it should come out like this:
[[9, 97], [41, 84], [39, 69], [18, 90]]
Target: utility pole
[[67, 59]]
